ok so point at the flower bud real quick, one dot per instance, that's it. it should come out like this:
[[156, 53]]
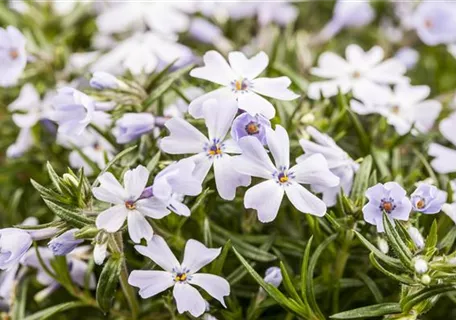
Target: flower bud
[[416, 236], [100, 250], [273, 276], [103, 80], [65, 243], [382, 245], [70, 180], [426, 279], [132, 126], [420, 265]]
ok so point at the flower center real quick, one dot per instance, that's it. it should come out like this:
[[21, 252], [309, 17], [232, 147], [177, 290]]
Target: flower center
[[215, 149], [428, 23], [421, 203], [180, 277], [395, 109], [240, 85], [387, 205], [130, 205], [283, 177], [252, 128], [356, 75], [13, 53]]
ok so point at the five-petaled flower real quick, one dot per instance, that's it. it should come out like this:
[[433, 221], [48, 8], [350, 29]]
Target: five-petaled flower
[[266, 196], [240, 81], [181, 276], [428, 199], [13, 57]]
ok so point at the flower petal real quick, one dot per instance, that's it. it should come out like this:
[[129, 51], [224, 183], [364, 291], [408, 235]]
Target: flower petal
[[189, 299], [255, 104], [215, 69], [276, 88], [219, 115], [279, 145], [138, 227], [159, 252], [445, 158], [110, 190], [195, 108], [135, 181], [266, 198], [197, 255], [113, 218], [227, 179], [152, 207], [150, 282], [248, 68], [216, 286], [314, 170], [183, 138], [304, 200]]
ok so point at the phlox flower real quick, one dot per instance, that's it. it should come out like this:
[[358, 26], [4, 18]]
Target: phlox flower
[[181, 276], [279, 12], [445, 158], [13, 57], [212, 151], [131, 126], [247, 125], [239, 81], [267, 196], [339, 163], [360, 71], [404, 106], [428, 199], [64, 243], [390, 198], [14, 243]]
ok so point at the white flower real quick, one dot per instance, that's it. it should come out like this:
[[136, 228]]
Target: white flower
[[142, 53], [420, 265], [404, 107], [445, 158], [416, 236], [181, 276], [14, 243], [240, 82], [339, 162], [361, 71], [267, 196], [408, 56], [127, 204], [13, 56], [213, 151], [100, 252]]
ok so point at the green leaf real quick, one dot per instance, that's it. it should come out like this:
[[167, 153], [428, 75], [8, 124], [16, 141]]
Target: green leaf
[[153, 162], [60, 266], [361, 182], [410, 301], [288, 284], [201, 198], [431, 240], [51, 311], [74, 217], [377, 310], [20, 301], [401, 279], [386, 259], [108, 281], [448, 240], [372, 287], [397, 243], [54, 177], [218, 264], [304, 268]]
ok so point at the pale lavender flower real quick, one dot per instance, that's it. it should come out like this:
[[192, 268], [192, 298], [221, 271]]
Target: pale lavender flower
[[13, 57], [279, 12], [14, 243], [204, 31], [445, 158], [247, 125], [267, 196], [213, 151], [181, 276], [240, 82], [339, 163], [128, 204], [103, 80], [428, 199], [390, 198], [64, 243], [131, 126], [408, 56], [273, 276]]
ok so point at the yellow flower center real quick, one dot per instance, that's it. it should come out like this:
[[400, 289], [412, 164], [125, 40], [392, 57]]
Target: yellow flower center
[[180, 277], [241, 85], [283, 177], [215, 150], [130, 205]]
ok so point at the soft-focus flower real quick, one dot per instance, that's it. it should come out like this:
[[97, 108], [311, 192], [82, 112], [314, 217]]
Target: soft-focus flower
[[416, 236], [404, 107], [273, 275], [13, 56], [390, 198], [445, 158], [127, 204], [428, 199], [76, 266], [347, 14], [248, 125], [213, 151], [240, 82], [408, 56], [339, 163], [7, 284], [14, 243], [181, 276], [132, 126], [435, 22], [361, 71], [420, 265], [65, 243], [142, 53], [179, 107], [280, 12], [103, 80], [450, 210], [267, 196]]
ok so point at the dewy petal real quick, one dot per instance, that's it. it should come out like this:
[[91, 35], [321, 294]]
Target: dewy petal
[[279, 145], [248, 68], [135, 181], [195, 108], [216, 286], [227, 179], [219, 115], [266, 198], [197, 255], [189, 299], [254, 160], [314, 170], [215, 69], [256, 104], [150, 282], [304, 200], [183, 138], [113, 218], [445, 158], [159, 252], [110, 190], [138, 227], [276, 88]]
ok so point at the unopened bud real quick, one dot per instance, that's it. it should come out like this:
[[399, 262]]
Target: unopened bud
[[416, 236], [382, 245], [273, 276], [101, 248], [70, 179], [426, 279], [420, 265]]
